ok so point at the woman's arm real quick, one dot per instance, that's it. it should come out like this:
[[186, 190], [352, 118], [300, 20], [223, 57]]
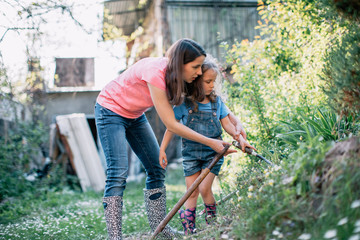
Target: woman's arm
[[228, 126], [165, 142], [238, 126], [167, 116]]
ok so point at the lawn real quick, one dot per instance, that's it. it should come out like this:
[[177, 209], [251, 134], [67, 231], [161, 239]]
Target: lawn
[[70, 214]]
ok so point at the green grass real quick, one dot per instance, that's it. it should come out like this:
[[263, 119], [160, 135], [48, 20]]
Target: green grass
[[76, 215]]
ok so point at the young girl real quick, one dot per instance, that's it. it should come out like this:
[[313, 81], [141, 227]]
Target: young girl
[[202, 111]]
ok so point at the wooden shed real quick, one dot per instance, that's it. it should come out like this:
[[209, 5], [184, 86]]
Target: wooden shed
[[165, 21], [211, 22]]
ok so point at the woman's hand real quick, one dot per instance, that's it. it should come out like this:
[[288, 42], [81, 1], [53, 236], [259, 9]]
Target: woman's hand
[[240, 131], [218, 146], [244, 143], [163, 159]]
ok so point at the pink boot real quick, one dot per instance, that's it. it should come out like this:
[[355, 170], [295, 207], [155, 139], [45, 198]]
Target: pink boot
[[210, 214], [188, 218]]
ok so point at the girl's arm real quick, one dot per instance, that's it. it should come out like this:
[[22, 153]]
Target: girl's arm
[[165, 142], [231, 129], [167, 116]]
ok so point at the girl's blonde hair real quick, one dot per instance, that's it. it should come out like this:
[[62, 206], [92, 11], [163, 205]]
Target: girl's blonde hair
[[195, 92]]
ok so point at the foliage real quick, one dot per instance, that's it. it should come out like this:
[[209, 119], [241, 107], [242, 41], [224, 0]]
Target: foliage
[[347, 9], [292, 199], [20, 150], [342, 73], [305, 58], [324, 123], [281, 71], [16, 153]]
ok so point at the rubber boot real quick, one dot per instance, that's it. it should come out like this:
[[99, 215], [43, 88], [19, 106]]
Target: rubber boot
[[155, 204], [210, 214], [188, 220], [113, 216]]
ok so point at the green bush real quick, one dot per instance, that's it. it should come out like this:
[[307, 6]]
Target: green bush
[[299, 196], [342, 73], [280, 71], [17, 150]]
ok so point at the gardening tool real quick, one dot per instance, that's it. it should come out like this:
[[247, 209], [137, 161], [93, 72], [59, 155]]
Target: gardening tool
[[252, 152], [191, 189], [249, 151]]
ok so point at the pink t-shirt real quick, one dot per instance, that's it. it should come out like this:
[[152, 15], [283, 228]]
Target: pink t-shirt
[[128, 95]]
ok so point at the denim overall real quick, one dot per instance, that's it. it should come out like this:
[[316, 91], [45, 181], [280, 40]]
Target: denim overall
[[197, 156]]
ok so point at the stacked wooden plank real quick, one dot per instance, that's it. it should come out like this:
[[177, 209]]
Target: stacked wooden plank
[[75, 132]]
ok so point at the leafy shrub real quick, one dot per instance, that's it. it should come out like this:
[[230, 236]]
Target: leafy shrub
[[298, 196], [280, 71], [342, 73], [17, 150]]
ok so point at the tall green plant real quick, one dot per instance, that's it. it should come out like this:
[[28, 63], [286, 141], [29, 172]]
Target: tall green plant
[[282, 69], [342, 73], [323, 123]]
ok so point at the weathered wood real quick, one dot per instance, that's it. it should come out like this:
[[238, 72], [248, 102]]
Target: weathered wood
[[77, 138], [73, 72]]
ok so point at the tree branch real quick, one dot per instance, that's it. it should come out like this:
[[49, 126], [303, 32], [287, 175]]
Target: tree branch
[[15, 29]]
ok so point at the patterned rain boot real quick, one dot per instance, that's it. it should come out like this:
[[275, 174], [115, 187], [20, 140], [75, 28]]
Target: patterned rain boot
[[183, 221], [155, 204], [113, 216], [188, 219], [210, 214]]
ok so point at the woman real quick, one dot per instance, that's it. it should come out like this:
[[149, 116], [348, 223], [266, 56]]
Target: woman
[[119, 114]]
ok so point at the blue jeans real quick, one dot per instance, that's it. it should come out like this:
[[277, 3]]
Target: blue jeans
[[114, 130]]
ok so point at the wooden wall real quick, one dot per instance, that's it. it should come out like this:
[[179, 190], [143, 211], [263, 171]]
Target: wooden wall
[[211, 22]]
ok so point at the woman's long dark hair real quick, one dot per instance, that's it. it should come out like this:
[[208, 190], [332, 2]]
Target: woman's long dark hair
[[181, 52]]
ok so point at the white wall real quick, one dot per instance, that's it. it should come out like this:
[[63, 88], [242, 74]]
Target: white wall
[[61, 38]]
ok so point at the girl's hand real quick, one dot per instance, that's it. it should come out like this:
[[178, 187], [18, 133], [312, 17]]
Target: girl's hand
[[163, 159], [244, 144], [218, 146]]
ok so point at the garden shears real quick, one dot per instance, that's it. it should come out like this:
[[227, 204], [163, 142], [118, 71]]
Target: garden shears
[[252, 152]]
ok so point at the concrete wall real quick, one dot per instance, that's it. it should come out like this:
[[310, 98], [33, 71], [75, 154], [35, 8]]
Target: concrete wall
[[61, 103]]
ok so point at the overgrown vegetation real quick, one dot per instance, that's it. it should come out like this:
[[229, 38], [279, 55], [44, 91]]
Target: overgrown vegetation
[[297, 91]]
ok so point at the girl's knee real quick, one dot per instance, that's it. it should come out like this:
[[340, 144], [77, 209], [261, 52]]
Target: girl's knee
[[195, 194], [206, 191]]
